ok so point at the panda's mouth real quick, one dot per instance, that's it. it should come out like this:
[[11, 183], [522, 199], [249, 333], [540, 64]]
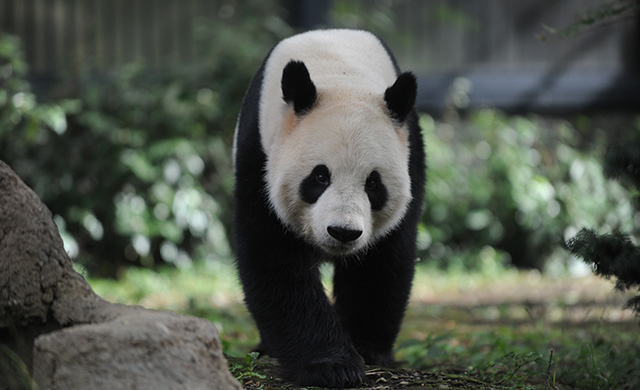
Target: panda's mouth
[[338, 249]]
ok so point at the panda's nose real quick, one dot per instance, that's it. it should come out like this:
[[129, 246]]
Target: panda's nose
[[343, 235]]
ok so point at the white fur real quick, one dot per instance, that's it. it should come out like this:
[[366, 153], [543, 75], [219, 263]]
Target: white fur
[[348, 130], [340, 62]]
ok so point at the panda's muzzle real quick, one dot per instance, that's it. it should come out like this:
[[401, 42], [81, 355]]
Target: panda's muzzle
[[343, 235]]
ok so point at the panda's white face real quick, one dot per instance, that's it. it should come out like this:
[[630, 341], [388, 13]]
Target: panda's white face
[[338, 175], [333, 128]]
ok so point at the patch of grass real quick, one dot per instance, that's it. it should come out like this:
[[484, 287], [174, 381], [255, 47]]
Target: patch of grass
[[600, 356], [522, 330], [246, 371]]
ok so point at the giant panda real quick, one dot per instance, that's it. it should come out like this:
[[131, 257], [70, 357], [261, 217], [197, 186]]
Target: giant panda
[[329, 167]]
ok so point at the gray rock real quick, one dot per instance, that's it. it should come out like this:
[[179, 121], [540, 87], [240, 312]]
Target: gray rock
[[73, 339], [139, 349], [37, 280]]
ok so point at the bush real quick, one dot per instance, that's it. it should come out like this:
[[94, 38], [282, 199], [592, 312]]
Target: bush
[[520, 185], [615, 255], [137, 166]]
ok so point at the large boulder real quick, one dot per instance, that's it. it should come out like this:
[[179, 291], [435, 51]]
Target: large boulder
[[51, 319], [139, 349], [37, 282]]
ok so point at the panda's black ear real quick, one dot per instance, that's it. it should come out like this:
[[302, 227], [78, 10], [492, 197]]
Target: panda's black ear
[[297, 87], [401, 96]]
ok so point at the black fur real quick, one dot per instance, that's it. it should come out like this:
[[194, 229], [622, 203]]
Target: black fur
[[314, 185], [401, 96], [376, 191], [297, 87], [315, 342]]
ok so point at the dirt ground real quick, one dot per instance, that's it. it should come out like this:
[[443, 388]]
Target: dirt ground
[[376, 379], [521, 300], [526, 297]]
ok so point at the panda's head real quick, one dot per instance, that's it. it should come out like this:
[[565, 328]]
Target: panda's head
[[338, 172]]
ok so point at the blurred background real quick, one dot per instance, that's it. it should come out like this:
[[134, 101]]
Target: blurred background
[[120, 115]]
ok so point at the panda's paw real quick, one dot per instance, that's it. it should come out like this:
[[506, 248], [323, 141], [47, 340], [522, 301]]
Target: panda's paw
[[329, 372], [375, 358]]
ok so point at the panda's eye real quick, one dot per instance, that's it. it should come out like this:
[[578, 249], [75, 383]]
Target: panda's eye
[[322, 178], [371, 184]]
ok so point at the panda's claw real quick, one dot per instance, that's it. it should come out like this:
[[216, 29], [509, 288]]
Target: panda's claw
[[328, 373]]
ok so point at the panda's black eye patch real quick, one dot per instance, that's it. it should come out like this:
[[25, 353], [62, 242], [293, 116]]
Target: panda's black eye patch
[[376, 191], [314, 185]]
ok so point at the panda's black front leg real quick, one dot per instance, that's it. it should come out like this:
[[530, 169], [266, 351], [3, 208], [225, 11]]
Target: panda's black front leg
[[371, 295], [297, 324]]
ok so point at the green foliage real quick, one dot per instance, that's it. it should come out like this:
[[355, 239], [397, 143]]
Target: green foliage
[[615, 255], [515, 184], [23, 121], [137, 167], [500, 356], [610, 255], [512, 369], [247, 371], [154, 176]]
